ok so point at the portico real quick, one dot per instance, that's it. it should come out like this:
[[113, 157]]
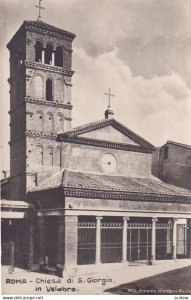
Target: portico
[[93, 228]]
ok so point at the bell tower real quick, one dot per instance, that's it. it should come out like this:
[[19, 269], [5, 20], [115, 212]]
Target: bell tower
[[40, 102]]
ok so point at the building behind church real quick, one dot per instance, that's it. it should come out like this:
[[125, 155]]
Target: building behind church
[[172, 164], [85, 195]]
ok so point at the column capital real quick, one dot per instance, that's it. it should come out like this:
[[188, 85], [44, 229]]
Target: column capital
[[99, 218], [71, 219], [175, 220], [154, 220], [126, 218]]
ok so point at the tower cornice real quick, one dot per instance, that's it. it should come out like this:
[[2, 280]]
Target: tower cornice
[[48, 103], [42, 28], [48, 68], [51, 30]]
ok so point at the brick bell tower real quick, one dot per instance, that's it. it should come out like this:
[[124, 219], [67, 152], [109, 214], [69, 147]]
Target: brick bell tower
[[40, 102]]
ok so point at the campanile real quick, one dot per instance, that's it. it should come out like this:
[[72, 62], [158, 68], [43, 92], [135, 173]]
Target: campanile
[[40, 101]]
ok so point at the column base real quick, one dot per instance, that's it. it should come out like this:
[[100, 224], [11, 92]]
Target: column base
[[174, 259], [152, 262], [124, 261]]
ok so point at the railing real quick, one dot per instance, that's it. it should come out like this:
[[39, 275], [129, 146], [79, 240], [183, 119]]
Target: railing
[[86, 243]]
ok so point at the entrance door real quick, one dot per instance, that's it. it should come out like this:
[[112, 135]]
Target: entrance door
[[164, 234], [138, 243], [51, 240]]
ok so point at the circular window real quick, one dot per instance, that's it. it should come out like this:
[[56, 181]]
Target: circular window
[[109, 163]]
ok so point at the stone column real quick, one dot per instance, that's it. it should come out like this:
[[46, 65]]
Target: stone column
[[98, 240], [53, 58], [43, 54], [189, 238], [124, 245], [174, 239], [153, 239], [71, 244]]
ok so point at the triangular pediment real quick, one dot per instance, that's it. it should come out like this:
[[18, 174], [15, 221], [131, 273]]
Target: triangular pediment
[[108, 130], [108, 133]]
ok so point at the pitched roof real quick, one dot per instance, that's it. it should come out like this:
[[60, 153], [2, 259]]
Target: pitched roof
[[177, 144], [103, 123], [100, 182]]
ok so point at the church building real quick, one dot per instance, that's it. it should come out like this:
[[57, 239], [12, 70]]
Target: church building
[[85, 195]]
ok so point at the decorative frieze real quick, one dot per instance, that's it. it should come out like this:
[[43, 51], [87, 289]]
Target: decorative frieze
[[48, 68], [105, 144], [126, 196], [34, 134], [48, 103]]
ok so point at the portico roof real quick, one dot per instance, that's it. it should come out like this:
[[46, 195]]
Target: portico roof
[[69, 179], [13, 209]]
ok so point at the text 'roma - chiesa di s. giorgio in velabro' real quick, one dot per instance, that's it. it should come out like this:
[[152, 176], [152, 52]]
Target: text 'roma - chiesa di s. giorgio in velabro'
[[85, 195]]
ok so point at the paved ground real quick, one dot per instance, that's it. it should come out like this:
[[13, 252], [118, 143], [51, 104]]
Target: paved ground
[[175, 282], [30, 283]]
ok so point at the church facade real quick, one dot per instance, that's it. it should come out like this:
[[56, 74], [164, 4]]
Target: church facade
[[89, 193]]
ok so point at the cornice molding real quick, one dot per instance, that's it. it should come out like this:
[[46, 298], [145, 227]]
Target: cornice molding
[[48, 103], [131, 135], [53, 31], [77, 193], [104, 123], [35, 134], [48, 68], [104, 144]]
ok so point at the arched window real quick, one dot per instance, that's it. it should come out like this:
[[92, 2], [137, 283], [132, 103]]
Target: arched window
[[59, 92], [38, 155], [59, 122], [48, 54], [38, 87], [57, 157], [49, 156], [49, 96], [38, 52], [38, 120], [49, 122], [59, 57]]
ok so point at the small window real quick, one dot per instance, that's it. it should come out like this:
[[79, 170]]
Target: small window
[[38, 52], [49, 96], [59, 57], [48, 54], [166, 152]]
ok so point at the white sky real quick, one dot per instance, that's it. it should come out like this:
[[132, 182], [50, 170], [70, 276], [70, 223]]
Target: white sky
[[141, 49]]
